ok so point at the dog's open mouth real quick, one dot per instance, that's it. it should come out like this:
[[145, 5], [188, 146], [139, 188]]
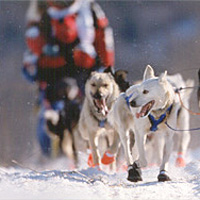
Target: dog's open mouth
[[101, 106], [145, 109]]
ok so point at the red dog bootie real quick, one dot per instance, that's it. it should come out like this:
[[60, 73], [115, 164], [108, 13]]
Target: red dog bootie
[[180, 162], [91, 162], [107, 158]]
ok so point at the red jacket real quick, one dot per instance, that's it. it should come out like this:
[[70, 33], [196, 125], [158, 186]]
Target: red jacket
[[67, 38]]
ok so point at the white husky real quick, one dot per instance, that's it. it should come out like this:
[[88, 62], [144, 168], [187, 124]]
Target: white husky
[[145, 108], [182, 138]]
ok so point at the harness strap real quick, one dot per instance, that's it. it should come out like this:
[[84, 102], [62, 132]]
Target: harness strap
[[102, 123], [181, 130], [127, 98], [182, 104], [156, 122]]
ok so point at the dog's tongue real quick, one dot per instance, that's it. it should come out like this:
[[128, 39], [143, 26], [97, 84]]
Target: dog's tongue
[[102, 106], [143, 111]]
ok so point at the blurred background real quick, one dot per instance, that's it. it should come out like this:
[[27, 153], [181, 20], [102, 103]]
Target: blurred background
[[164, 34]]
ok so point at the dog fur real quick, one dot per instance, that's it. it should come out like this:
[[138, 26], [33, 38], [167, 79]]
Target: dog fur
[[61, 123], [101, 91], [130, 112], [181, 138]]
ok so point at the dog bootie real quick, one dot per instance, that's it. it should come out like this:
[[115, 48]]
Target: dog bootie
[[180, 162], [162, 177], [107, 158], [134, 173], [90, 162]]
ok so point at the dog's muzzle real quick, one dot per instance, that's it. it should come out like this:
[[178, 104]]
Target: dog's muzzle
[[100, 103], [133, 103], [145, 110]]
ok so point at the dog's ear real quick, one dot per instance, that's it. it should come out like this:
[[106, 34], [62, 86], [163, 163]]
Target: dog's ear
[[163, 77], [121, 79], [109, 70], [148, 73], [90, 75], [122, 74]]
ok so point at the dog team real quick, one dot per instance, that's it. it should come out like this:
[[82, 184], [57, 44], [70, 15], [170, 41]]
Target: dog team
[[114, 122], [137, 119]]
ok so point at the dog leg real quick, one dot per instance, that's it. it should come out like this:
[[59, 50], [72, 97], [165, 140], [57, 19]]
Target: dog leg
[[140, 141], [67, 145], [93, 146], [183, 137], [134, 172], [124, 137], [109, 155], [158, 145], [80, 145], [163, 176]]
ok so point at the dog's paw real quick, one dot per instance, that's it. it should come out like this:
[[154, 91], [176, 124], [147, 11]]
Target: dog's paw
[[162, 177], [52, 115], [107, 158], [91, 162], [134, 173], [180, 162]]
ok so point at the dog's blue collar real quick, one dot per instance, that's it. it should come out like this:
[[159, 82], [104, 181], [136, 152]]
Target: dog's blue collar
[[102, 123], [127, 98], [156, 122]]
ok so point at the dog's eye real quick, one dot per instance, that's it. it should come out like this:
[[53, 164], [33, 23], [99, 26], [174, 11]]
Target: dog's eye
[[93, 84], [105, 85], [145, 92]]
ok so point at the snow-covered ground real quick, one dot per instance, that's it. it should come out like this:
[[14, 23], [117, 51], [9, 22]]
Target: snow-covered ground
[[89, 183]]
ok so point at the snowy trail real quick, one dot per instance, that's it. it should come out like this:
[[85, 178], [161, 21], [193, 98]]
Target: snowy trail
[[93, 184]]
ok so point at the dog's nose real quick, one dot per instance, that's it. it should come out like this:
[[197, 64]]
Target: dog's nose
[[133, 103], [98, 95]]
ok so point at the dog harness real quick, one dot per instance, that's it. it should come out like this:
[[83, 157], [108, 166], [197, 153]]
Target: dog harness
[[101, 123], [127, 98], [156, 122]]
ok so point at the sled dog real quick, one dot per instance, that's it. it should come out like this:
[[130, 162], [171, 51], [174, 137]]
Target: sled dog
[[182, 138], [144, 108], [61, 123], [101, 92]]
